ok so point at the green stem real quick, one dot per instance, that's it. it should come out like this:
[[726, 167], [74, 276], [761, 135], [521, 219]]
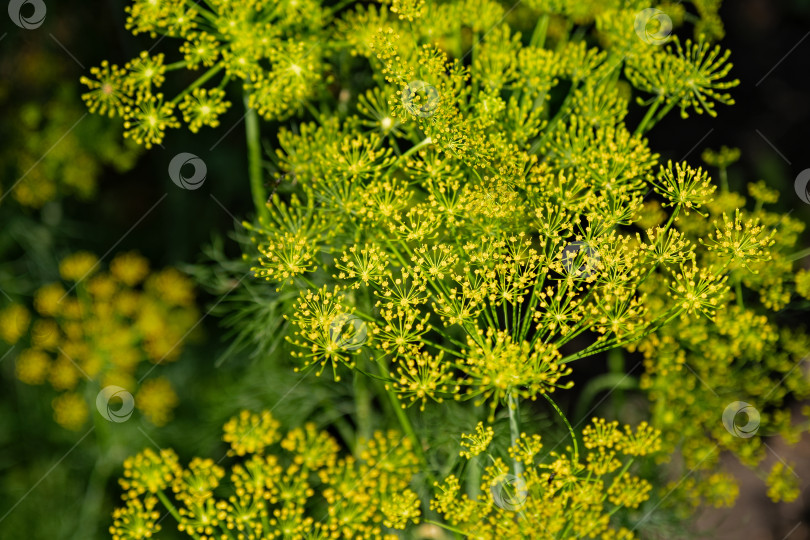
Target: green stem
[[642, 126], [175, 514], [406, 425], [446, 526], [615, 359], [799, 255], [738, 290], [94, 494], [514, 427], [417, 146], [567, 423], [255, 162], [199, 82], [363, 412], [724, 179], [539, 34]]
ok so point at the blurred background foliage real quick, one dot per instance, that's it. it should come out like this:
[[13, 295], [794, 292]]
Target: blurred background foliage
[[91, 190]]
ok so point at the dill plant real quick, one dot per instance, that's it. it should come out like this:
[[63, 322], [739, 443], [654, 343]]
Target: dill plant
[[471, 213]]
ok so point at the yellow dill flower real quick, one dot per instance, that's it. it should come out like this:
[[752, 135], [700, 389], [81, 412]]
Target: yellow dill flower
[[70, 410], [250, 433], [408, 10], [130, 268], [274, 488], [203, 107], [32, 366], [171, 286], [628, 490], [476, 442], [145, 72], [107, 90], [646, 440], [136, 521], [683, 187], [601, 434], [14, 321], [525, 448], [149, 472], [783, 484], [156, 399], [689, 76], [47, 299], [561, 494], [103, 328], [723, 158], [196, 483], [741, 242], [200, 48], [698, 290], [803, 283], [147, 121], [77, 266], [720, 490]]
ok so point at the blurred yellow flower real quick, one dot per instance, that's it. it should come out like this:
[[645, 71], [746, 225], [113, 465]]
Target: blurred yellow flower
[[77, 266], [156, 399], [102, 330], [70, 410]]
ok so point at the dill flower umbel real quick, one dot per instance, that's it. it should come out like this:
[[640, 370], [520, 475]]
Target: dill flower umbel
[[262, 46], [294, 483], [560, 497], [104, 329]]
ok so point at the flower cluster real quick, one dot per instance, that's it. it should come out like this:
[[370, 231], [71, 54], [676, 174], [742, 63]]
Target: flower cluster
[[53, 150], [272, 48], [473, 226], [107, 328], [293, 484], [562, 497], [693, 371]]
